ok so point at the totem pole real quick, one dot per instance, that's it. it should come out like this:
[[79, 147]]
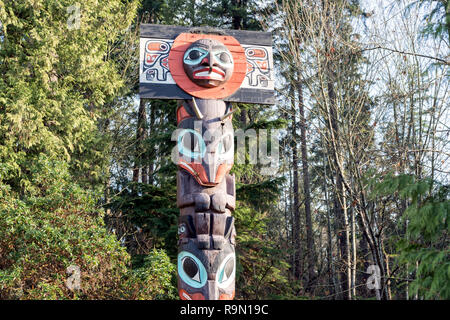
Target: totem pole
[[205, 70]]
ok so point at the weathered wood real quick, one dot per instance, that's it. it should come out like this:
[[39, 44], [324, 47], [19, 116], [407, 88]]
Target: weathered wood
[[171, 32], [232, 65], [206, 198], [160, 91], [161, 67]]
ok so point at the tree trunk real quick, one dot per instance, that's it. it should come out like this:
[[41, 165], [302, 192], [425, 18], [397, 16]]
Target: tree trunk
[[363, 276], [335, 151], [306, 190], [151, 155], [296, 209], [141, 134], [353, 228], [340, 199], [331, 267]]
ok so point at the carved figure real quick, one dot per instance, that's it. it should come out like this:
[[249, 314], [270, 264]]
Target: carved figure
[[206, 198]]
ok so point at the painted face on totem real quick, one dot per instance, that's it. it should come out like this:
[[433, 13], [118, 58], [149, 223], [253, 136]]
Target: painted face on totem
[[208, 63], [206, 274], [206, 262], [206, 148], [209, 153]]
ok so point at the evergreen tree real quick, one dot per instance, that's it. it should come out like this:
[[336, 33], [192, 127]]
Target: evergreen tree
[[57, 81]]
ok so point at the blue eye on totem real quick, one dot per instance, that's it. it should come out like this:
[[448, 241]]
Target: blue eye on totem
[[191, 270], [191, 144], [226, 271], [194, 55]]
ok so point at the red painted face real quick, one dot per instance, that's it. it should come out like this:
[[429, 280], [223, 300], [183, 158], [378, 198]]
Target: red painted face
[[207, 66], [208, 63]]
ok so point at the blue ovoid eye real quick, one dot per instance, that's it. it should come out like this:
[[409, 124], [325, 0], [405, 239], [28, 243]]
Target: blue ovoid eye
[[194, 55], [226, 271], [198, 148], [191, 270]]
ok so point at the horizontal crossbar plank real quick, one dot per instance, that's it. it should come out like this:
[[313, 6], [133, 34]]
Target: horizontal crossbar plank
[[172, 91], [171, 32]]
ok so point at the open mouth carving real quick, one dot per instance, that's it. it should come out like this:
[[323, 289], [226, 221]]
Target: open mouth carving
[[209, 74]]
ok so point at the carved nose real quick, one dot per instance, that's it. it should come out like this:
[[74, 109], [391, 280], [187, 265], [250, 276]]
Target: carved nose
[[209, 163], [212, 291], [206, 61]]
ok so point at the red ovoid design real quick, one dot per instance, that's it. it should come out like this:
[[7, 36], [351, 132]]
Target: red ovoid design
[[179, 47]]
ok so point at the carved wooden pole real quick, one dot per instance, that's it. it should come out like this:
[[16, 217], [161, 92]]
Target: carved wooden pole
[[206, 190], [206, 198], [205, 71]]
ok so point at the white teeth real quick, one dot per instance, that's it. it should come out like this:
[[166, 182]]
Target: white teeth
[[207, 74], [210, 75]]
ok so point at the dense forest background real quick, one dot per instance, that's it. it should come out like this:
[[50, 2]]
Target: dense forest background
[[357, 209]]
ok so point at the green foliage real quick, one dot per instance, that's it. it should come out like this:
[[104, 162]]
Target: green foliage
[[52, 228], [154, 279], [425, 250], [149, 208], [58, 225], [252, 193], [55, 82], [262, 266], [154, 210]]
